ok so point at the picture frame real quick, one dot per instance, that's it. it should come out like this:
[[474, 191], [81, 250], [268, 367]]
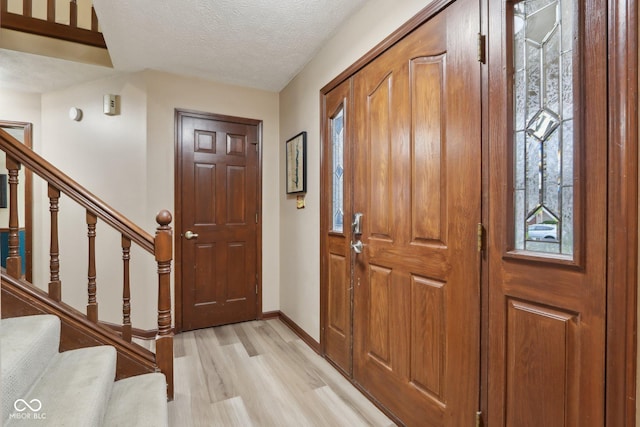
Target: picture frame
[[296, 164]]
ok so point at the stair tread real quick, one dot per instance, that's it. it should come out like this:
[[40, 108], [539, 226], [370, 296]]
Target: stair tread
[[139, 401], [74, 389], [27, 346]]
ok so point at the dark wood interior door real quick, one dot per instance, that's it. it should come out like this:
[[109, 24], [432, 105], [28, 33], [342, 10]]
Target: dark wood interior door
[[337, 214], [548, 214], [417, 165], [218, 231]]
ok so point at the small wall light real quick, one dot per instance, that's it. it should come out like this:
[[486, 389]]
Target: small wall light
[[75, 114]]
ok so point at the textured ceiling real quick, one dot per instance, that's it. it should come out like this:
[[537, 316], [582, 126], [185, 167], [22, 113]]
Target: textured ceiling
[[25, 72], [255, 43]]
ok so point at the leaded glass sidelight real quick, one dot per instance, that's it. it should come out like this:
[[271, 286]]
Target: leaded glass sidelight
[[337, 148], [543, 44]]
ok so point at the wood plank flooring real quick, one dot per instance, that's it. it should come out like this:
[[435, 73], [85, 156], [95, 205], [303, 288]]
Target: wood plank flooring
[[261, 374]]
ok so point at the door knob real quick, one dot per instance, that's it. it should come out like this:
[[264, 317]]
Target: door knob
[[190, 235], [357, 246]]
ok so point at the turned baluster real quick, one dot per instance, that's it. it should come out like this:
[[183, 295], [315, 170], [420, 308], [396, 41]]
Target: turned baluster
[[94, 20], [163, 248], [73, 14], [51, 10], [27, 8], [126, 293], [92, 305], [14, 261], [55, 286]]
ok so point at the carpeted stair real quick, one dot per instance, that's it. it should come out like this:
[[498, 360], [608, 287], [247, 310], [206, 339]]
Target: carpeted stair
[[41, 386]]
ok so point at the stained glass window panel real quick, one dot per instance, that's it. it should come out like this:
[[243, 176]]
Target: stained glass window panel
[[543, 138], [337, 147]]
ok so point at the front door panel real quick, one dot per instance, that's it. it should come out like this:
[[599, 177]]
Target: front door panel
[[418, 184], [547, 215], [337, 262]]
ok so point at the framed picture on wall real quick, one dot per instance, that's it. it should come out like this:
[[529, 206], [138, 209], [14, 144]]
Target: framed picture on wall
[[296, 163]]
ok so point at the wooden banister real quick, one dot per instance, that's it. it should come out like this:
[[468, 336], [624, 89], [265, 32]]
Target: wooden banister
[[59, 180], [160, 246], [20, 298], [25, 22]]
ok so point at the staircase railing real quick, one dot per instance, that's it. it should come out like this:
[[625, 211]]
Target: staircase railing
[[51, 24], [160, 245]]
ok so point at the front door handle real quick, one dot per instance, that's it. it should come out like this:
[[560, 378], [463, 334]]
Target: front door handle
[[357, 246], [356, 225], [190, 235]]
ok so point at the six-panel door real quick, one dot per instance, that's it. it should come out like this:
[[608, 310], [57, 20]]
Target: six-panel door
[[219, 207]]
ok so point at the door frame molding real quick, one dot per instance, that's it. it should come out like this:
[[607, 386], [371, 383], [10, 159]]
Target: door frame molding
[[622, 213], [179, 114]]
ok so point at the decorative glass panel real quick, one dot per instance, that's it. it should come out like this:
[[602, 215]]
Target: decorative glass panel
[[337, 147], [543, 44]]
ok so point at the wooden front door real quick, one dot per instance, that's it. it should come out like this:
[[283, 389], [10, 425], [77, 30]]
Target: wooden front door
[[218, 202], [417, 163], [548, 214], [559, 235], [337, 262]]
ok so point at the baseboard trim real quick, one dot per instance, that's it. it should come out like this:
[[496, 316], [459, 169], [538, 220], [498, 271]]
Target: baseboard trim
[[315, 345], [270, 315]]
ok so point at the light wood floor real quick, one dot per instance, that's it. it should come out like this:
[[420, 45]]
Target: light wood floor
[[261, 374]]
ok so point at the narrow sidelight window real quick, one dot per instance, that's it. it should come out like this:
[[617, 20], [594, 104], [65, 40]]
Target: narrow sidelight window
[[337, 147], [543, 125]]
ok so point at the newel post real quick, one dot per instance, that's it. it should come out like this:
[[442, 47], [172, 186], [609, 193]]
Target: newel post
[[163, 248], [14, 261]]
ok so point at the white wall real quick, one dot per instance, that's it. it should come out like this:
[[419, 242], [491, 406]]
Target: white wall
[[128, 161], [106, 155], [300, 111]]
